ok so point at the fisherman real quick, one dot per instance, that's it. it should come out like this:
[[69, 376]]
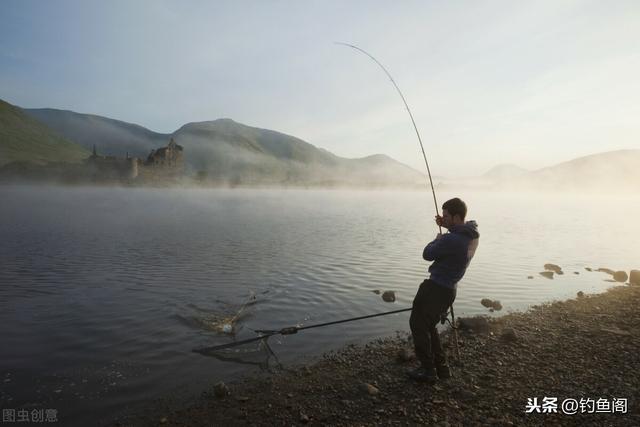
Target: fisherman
[[451, 254]]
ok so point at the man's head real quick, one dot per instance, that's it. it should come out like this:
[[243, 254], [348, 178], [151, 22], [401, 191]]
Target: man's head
[[453, 212]]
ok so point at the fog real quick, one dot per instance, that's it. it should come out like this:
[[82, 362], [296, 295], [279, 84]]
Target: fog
[[214, 161], [606, 173], [110, 137]]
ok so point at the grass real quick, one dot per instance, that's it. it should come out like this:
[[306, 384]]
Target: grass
[[23, 138]]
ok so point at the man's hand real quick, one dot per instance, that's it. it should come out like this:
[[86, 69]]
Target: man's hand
[[439, 220]]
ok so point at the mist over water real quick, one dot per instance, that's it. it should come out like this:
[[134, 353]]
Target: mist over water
[[105, 291]]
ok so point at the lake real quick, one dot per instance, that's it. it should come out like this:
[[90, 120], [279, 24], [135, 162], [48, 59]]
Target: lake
[[104, 292]]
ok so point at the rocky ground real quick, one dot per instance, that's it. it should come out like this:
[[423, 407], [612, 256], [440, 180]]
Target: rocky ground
[[586, 348]]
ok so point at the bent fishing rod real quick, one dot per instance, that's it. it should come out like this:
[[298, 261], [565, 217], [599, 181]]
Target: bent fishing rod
[[424, 155], [415, 127]]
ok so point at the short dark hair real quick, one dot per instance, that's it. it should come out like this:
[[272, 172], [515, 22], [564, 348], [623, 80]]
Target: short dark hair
[[455, 207]]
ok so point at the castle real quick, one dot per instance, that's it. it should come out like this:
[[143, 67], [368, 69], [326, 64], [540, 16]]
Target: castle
[[166, 163]]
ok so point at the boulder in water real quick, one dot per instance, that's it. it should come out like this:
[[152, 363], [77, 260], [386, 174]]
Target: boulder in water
[[547, 274], [553, 267], [389, 296], [486, 302], [606, 270], [620, 276], [493, 305]]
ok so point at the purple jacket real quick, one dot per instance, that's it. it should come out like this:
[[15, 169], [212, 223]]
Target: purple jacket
[[452, 253]]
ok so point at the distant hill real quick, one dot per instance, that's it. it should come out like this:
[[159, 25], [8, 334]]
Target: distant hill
[[505, 171], [226, 152], [110, 137], [612, 171], [25, 139]]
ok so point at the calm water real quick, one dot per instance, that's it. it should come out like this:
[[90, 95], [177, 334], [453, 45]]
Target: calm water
[[104, 292]]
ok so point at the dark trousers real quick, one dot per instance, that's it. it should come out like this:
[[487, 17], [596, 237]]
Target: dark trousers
[[430, 303]]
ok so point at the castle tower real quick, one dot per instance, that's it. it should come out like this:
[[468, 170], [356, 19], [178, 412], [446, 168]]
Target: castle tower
[[133, 167]]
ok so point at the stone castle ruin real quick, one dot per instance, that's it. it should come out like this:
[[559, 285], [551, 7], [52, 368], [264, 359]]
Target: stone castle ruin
[[163, 164]]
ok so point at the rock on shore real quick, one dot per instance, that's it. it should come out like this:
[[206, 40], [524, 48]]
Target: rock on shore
[[634, 277], [620, 276], [553, 267]]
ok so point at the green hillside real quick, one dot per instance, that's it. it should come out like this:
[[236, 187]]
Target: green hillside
[[110, 137], [23, 138]]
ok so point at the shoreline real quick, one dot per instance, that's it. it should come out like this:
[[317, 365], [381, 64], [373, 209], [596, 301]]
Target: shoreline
[[609, 193], [584, 348], [193, 185]]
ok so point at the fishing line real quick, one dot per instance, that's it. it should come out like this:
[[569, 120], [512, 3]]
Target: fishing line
[[264, 335], [424, 155]]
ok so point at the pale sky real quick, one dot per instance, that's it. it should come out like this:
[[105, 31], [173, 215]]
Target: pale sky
[[489, 82]]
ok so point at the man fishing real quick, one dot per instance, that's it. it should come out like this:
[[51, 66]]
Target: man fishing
[[451, 254]]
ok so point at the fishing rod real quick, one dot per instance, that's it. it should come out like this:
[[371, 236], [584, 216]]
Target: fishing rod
[[264, 334], [424, 155], [415, 127]]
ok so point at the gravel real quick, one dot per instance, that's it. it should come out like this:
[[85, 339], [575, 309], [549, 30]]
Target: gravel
[[582, 348]]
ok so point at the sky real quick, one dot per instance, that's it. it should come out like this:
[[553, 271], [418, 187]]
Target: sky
[[488, 82]]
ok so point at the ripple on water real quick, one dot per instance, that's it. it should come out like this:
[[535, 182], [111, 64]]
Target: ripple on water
[[142, 276]]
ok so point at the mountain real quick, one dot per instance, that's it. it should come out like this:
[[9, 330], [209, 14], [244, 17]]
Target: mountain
[[224, 150], [612, 171], [110, 137], [505, 171], [25, 139]]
